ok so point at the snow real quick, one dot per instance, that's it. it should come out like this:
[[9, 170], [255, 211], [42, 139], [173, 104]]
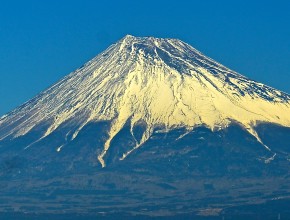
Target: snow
[[4, 116], [159, 81], [59, 148], [270, 159]]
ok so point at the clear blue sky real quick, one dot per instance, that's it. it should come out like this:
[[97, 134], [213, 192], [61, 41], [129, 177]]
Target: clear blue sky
[[42, 41]]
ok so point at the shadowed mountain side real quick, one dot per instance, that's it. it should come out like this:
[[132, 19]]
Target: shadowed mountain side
[[203, 169]]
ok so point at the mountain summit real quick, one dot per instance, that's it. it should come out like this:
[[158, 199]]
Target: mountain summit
[[150, 126], [150, 80]]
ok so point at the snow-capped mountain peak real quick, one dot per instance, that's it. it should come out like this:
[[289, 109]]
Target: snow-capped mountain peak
[[159, 82]]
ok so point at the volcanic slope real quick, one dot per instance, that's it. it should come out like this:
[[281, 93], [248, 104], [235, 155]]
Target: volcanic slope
[[157, 82]]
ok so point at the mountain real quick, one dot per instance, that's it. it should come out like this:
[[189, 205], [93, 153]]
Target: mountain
[[150, 127]]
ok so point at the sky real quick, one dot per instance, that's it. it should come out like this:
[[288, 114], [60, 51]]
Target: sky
[[42, 41]]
